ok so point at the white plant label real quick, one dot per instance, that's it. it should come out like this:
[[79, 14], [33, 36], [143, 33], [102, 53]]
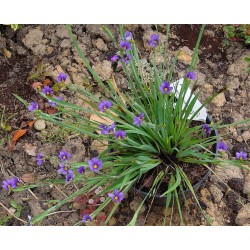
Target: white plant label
[[202, 115]]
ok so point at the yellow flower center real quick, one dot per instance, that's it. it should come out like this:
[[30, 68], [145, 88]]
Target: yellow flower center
[[119, 137], [104, 107], [66, 168], [116, 198], [165, 89], [9, 187], [64, 157], [95, 166]]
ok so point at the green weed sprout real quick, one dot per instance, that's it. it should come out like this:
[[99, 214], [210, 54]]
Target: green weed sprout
[[148, 131]]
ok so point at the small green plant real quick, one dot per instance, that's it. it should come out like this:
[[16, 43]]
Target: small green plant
[[5, 127], [150, 133], [241, 32], [247, 59]]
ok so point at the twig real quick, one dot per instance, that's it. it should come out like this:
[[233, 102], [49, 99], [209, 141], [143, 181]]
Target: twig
[[24, 184], [60, 191], [58, 212], [12, 213]]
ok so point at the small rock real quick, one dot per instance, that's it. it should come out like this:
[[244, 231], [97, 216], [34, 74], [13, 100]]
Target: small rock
[[33, 41], [76, 148], [40, 125], [99, 43], [35, 208], [2, 42], [227, 172], [238, 68], [103, 69], [21, 51], [99, 145], [185, 55], [243, 216], [246, 189], [236, 184], [246, 136], [209, 33], [62, 32], [219, 100], [216, 193], [66, 43], [97, 30], [136, 203]]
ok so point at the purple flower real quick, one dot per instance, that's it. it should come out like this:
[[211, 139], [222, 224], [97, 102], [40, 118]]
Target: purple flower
[[165, 88], [154, 40], [10, 183], [86, 218], [69, 177], [126, 58], [65, 169], [53, 104], [206, 129], [116, 196], [40, 159], [191, 75], [241, 155], [120, 134], [64, 155], [95, 164], [104, 105], [33, 106], [103, 129], [139, 119], [81, 170], [111, 128], [125, 45], [62, 77], [128, 35], [47, 90], [114, 58], [222, 146]]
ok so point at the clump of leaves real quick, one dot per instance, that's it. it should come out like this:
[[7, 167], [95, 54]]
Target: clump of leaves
[[236, 33]]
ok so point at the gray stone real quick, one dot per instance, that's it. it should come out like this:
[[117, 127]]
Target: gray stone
[[99, 43], [243, 216], [21, 51], [226, 173], [76, 148], [97, 30], [103, 69], [39, 125], [2, 42], [239, 67], [33, 41], [62, 32], [219, 100], [66, 43], [134, 205], [216, 193]]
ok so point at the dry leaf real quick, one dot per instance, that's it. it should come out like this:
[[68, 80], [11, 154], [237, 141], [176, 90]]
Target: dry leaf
[[46, 82], [30, 149], [19, 133], [7, 53], [28, 178], [117, 89], [99, 119]]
